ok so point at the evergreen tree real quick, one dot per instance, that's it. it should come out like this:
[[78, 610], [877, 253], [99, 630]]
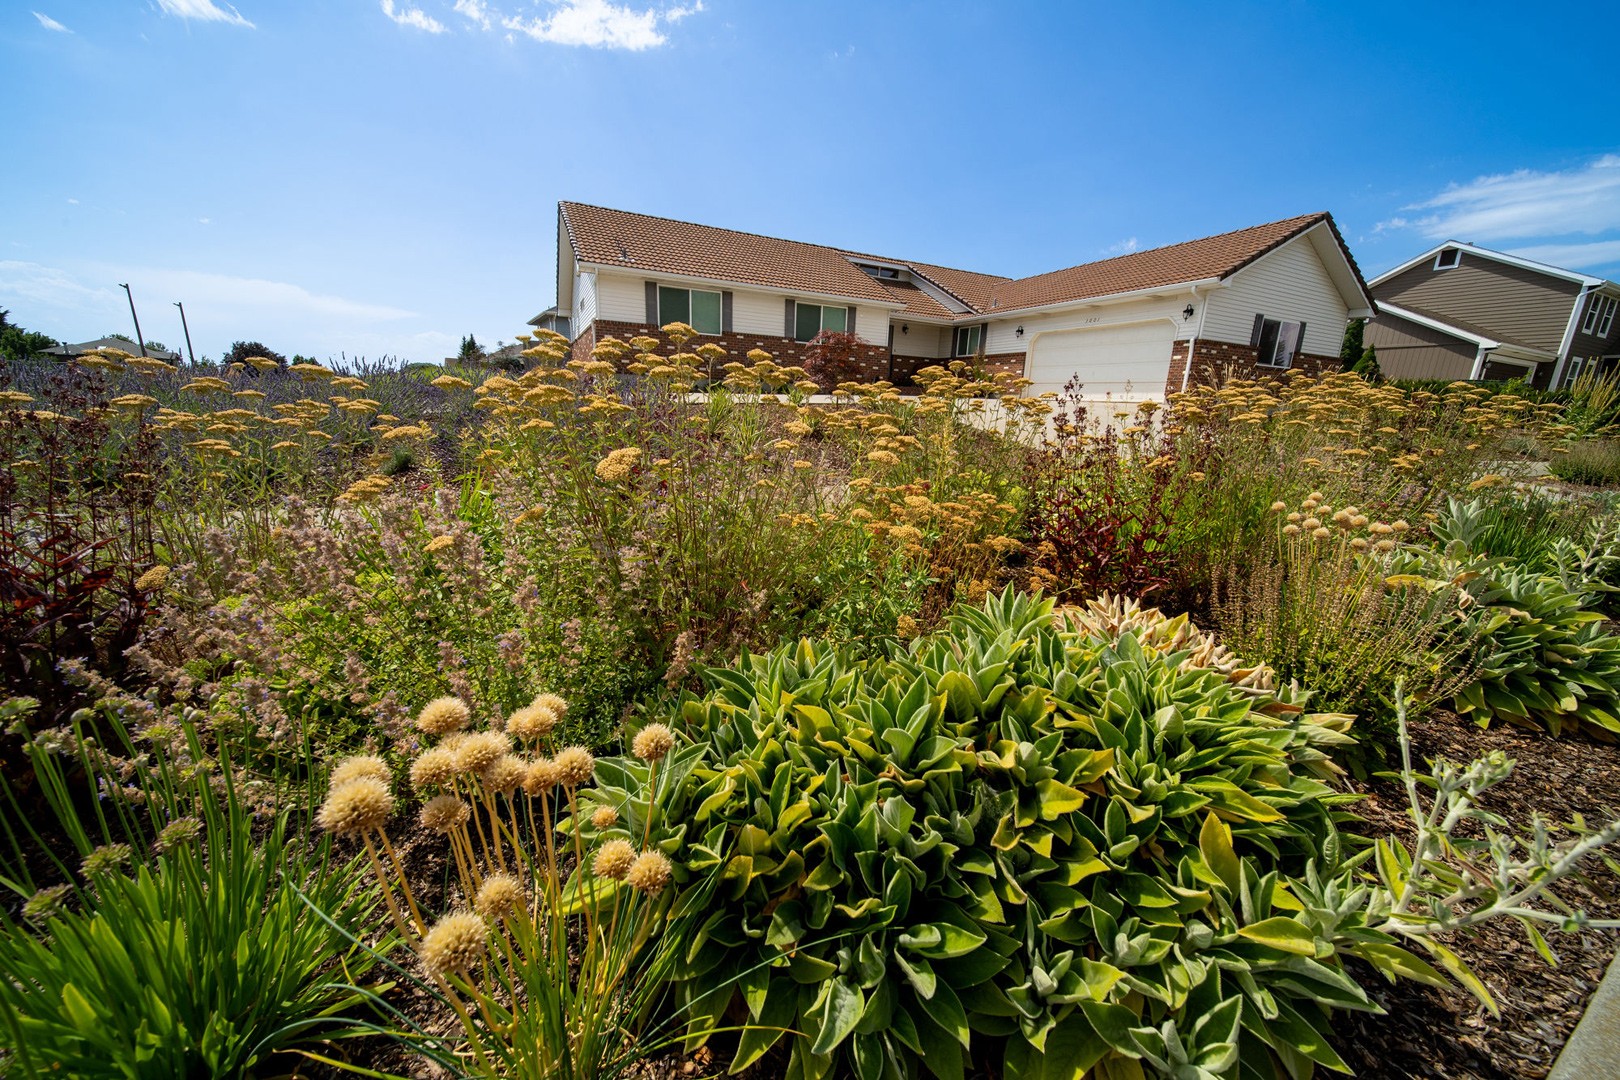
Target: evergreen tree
[[19, 344], [1351, 352], [471, 352], [1367, 367]]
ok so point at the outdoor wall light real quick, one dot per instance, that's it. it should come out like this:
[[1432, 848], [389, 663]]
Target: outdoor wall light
[[1187, 312], [905, 328], [1019, 332]]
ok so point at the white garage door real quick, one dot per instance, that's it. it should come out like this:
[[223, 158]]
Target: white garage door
[[1128, 362]]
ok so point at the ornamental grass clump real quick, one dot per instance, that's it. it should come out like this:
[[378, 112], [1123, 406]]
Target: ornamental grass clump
[[551, 951]]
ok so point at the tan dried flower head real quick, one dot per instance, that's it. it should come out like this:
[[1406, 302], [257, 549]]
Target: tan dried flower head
[[1399, 525], [505, 774], [433, 768], [531, 723], [649, 873], [482, 749], [575, 766], [541, 777], [605, 817], [443, 715], [1311, 523], [614, 859], [1322, 532], [553, 702], [444, 814], [1290, 530], [360, 806], [1278, 507], [500, 895], [457, 942], [653, 742], [153, 580], [358, 767], [618, 464]]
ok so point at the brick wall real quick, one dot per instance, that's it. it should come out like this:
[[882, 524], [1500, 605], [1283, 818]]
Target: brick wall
[[872, 360], [906, 367], [1214, 362]]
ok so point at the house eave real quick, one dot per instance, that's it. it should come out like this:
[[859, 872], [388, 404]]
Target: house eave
[[726, 283]]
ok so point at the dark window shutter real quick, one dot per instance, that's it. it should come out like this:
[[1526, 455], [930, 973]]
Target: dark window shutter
[[1254, 335], [849, 326], [787, 319], [652, 303], [1299, 341], [725, 313]]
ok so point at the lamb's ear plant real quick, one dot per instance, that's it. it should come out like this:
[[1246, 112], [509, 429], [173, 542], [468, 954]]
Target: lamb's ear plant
[[180, 940]]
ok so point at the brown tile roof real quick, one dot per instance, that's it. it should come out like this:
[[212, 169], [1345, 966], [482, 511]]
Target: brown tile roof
[[1212, 257], [917, 302], [654, 244]]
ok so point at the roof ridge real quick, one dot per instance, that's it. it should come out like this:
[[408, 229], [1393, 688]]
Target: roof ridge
[[714, 228]]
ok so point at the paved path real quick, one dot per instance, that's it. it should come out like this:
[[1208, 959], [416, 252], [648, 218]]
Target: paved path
[[1593, 1050]]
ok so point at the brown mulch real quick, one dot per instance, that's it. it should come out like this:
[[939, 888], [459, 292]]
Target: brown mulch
[[1448, 1034]]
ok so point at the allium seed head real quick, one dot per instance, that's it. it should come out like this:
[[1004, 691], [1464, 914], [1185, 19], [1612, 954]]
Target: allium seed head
[[553, 702], [541, 777], [649, 873], [480, 750], [46, 904], [1311, 523], [1290, 530], [105, 858], [443, 715], [360, 806], [444, 814], [1278, 507], [653, 742], [1321, 532], [457, 942], [575, 766], [614, 859], [605, 817], [433, 768], [531, 723], [505, 775], [358, 767], [500, 895]]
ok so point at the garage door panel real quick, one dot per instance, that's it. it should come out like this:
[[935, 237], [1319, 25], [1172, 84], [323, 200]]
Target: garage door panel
[[1119, 360]]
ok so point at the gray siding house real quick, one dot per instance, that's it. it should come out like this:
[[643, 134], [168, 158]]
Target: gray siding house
[[1464, 312]]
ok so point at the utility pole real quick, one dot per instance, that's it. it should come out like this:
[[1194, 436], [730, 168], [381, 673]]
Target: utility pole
[[140, 341], [187, 329]]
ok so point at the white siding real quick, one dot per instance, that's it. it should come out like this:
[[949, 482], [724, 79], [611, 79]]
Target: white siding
[[923, 339], [584, 303], [620, 298], [756, 313], [1290, 284], [872, 325]]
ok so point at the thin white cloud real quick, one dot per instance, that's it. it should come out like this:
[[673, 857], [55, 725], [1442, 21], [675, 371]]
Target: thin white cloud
[[204, 11], [412, 17], [598, 24], [1124, 247], [205, 221], [676, 14], [46, 286], [73, 202], [51, 24], [1524, 204], [475, 11], [1591, 256]]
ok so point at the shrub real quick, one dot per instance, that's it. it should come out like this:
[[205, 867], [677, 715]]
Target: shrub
[[1588, 461], [1008, 833], [241, 352], [833, 357]]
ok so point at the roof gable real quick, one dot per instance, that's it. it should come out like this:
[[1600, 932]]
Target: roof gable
[[1519, 261]]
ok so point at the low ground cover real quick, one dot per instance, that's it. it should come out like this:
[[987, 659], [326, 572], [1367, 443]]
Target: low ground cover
[[848, 757]]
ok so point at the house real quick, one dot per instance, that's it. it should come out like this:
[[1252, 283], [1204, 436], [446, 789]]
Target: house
[[121, 344], [1263, 299], [1459, 311]]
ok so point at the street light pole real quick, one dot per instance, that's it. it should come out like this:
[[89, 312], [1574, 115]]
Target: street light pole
[[187, 329], [140, 341]]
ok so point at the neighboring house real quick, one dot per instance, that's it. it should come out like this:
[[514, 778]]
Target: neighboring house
[[121, 344], [1463, 312], [1263, 299]]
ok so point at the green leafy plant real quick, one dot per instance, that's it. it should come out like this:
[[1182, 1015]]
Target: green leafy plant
[[186, 940]]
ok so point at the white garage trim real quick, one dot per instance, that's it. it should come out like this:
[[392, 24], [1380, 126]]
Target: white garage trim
[[1124, 361]]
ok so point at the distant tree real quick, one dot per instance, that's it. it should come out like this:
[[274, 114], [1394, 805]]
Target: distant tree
[[156, 346], [471, 352], [116, 336], [241, 350], [1367, 367], [1351, 351], [831, 356], [19, 344]]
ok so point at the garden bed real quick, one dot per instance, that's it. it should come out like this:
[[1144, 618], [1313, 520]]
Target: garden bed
[[1434, 1033]]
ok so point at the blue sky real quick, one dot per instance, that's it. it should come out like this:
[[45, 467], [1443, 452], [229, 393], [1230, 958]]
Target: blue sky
[[379, 177]]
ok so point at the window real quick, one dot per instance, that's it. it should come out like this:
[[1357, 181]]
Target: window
[[1447, 259], [968, 340], [811, 319], [1599, 316], [1276, 342], [887, 273], [696, 308]]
